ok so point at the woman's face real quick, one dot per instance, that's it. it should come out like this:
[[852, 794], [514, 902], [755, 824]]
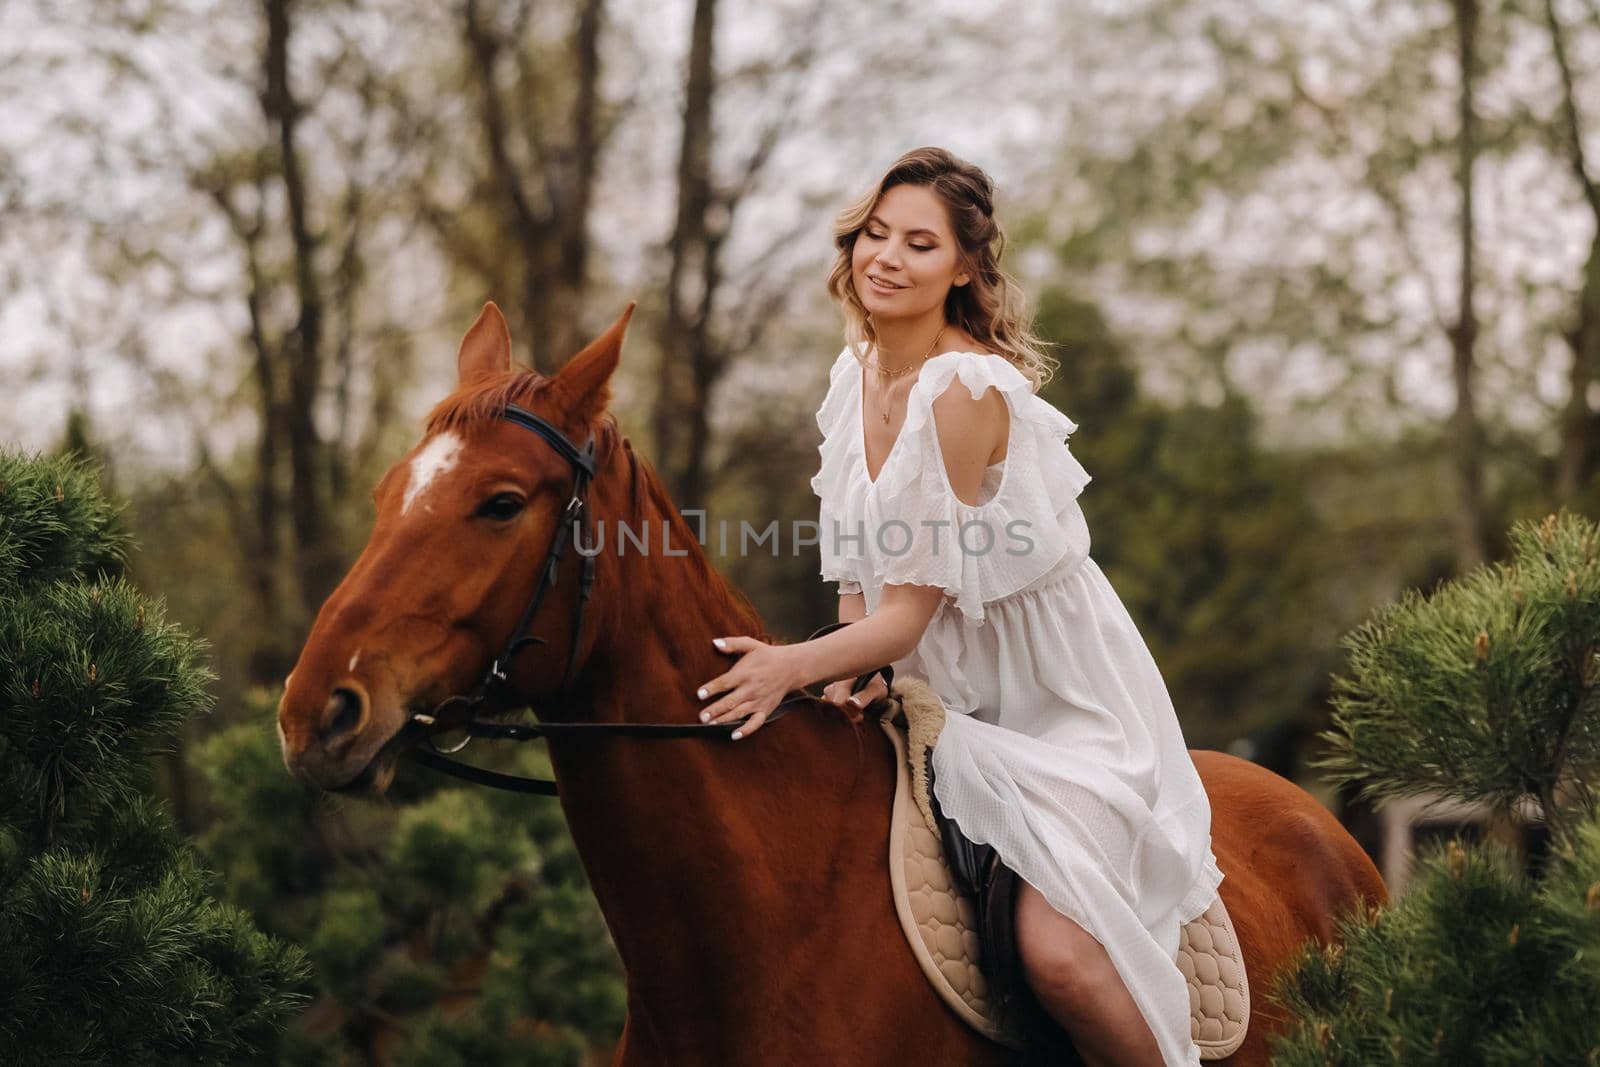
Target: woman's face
[[906, 257]]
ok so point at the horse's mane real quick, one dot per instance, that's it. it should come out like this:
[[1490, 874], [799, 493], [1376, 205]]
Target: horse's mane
[[487, 398]]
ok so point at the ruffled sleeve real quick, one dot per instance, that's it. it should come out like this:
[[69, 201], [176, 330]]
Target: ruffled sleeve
[[926, 535], [831, 483]]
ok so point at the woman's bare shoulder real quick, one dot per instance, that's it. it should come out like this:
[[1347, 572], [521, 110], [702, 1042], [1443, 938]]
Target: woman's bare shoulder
[[956, 339]]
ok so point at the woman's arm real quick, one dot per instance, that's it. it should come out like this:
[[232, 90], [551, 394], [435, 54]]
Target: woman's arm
[[888, 634], [970, 432], [852, 607]]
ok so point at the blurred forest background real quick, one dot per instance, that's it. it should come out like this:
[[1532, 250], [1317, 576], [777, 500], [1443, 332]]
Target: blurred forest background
[[1325, 283]]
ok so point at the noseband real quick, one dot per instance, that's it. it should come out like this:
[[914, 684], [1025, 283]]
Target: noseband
[[574, 520]]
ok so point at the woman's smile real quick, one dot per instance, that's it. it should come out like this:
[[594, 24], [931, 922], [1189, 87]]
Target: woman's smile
[[883, 286]]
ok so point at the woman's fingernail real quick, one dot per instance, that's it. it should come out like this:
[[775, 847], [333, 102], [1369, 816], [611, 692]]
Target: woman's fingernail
[[717, 641], [737, 735], [701, 692], [856, 701], [705, 716]]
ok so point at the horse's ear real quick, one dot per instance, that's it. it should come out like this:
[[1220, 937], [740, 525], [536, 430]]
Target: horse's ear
[[486, 349], [583, 386]]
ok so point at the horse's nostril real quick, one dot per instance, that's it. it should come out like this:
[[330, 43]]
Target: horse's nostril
[[342, 714]]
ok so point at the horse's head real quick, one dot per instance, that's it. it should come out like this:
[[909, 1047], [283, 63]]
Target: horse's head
[[464, 522]]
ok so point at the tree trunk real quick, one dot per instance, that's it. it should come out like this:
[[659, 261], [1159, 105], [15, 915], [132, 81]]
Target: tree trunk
[[314, 563], [1467, 434], [1578, 428], [680, 419], [1578, 423], [524, 225], [550, 233], [572, 267], [264, 559]]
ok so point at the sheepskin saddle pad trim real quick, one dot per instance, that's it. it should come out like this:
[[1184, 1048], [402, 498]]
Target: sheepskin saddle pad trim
[[941, 924]]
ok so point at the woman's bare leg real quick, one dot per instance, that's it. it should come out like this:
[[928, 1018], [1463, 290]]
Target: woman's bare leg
[[1073, 979]]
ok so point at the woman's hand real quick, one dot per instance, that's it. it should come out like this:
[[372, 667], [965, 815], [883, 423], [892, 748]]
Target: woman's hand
[[838, 693], [764, 675]]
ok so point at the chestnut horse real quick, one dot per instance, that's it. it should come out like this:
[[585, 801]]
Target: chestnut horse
[[745, 884]]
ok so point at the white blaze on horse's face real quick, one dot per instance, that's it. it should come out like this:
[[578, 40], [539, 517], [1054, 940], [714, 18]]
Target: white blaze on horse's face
[[436, 458]]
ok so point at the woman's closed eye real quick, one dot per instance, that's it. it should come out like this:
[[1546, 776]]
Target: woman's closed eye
[[884, 237]]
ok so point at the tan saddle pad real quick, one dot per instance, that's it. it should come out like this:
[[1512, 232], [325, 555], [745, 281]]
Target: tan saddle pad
[[941, 924]]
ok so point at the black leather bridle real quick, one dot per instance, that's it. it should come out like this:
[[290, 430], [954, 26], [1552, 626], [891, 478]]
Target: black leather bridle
[[574, 519]]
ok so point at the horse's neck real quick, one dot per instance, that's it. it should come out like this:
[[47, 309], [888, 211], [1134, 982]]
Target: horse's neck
[[739, 877], [702, 851], [698, 849]]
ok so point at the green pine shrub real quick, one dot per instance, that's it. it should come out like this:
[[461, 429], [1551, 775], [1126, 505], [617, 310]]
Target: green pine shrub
[[113, 949], [450, 923], [1483, 691], [1477, 964]]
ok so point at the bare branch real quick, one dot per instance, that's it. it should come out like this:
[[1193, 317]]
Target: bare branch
[[1384, 190], [1569, 110], [787, 112], [485, 48]]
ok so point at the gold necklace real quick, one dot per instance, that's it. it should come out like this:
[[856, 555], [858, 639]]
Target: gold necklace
[[908, 368]]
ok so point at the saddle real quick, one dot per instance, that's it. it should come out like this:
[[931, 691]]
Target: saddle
[[956, 902]]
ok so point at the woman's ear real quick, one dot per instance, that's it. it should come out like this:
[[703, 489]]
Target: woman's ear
[[962, 279]]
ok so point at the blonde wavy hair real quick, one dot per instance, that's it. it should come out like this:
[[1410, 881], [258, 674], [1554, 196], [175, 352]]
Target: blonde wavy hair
[[990, 306]]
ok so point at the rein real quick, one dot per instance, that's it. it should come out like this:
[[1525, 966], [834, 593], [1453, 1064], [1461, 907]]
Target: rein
[[574, 520]]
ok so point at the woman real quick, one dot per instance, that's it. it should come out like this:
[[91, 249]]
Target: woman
[[950, 521]]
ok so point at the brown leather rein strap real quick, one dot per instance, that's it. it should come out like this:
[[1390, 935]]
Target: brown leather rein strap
[[529, 731]]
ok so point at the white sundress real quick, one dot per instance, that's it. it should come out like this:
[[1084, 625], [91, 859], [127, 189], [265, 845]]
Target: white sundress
[[1061, 747]]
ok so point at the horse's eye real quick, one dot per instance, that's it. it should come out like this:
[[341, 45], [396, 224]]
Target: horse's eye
[[502, 507]]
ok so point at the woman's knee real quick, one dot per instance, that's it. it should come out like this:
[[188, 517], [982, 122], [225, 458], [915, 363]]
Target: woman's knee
[[1062, 961]]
